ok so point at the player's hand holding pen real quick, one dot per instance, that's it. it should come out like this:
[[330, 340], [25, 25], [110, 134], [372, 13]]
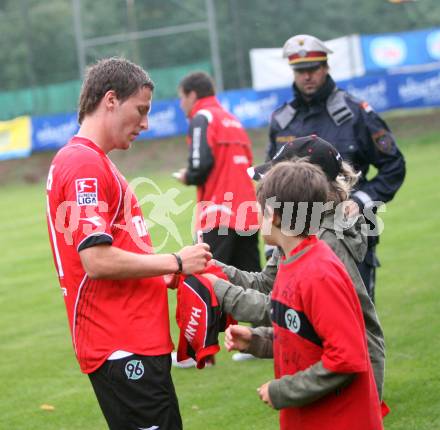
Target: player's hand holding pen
[[203, 246], [195, 258]]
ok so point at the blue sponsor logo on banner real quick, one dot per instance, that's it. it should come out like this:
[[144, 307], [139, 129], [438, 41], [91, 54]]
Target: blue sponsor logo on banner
[[424, 90], [388, 51], [52, 132], [256, 110], [166, 119], [410, 48], [163, 122], [433, 44], [375, 93]]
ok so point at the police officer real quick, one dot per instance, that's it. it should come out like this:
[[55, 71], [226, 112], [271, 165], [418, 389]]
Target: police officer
[[358, 133]]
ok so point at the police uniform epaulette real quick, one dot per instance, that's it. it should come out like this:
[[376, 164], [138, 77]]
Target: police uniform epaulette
[[284, 115], [337, 107], [353, 98]]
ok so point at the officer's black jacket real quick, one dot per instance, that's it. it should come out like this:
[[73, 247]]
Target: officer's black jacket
[[357, 132]]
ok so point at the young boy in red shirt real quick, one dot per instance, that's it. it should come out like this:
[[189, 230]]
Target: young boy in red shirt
[[323, 373]]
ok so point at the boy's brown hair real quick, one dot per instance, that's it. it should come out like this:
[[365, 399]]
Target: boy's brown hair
[[118, 74], [296, 191]]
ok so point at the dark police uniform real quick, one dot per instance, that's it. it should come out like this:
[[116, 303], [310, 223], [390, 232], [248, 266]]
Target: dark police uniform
[[361, 137]]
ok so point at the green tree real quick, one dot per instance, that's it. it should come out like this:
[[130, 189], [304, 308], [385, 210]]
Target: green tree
[[37, 43]]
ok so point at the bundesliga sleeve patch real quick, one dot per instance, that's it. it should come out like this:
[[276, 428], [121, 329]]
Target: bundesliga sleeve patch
[[86, 191]]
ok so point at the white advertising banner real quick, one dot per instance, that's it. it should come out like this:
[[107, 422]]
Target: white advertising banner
[[270, 70]]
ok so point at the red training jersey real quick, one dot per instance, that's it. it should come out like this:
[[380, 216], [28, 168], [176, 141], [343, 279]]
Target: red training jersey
[[226, 194], [317, 317], [90, 203]]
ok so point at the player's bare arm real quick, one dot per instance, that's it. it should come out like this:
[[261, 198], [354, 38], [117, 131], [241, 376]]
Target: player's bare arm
[[110, 262]]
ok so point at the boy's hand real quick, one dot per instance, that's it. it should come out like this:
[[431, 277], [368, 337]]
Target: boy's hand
[[263, 392], [351, 208], [237, 337]]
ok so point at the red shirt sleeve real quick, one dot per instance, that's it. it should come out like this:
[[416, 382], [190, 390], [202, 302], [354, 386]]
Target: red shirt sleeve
[[86, 203], [333, 308]]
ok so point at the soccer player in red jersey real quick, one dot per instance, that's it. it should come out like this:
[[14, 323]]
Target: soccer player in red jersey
[[323, 375], [220, 152], [112, 282]]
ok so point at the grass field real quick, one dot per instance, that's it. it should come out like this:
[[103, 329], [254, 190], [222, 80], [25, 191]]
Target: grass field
[[37, 365]]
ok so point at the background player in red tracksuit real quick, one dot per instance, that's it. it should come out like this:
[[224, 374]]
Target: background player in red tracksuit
[[114, 292], [219, 155], [324, 378]]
